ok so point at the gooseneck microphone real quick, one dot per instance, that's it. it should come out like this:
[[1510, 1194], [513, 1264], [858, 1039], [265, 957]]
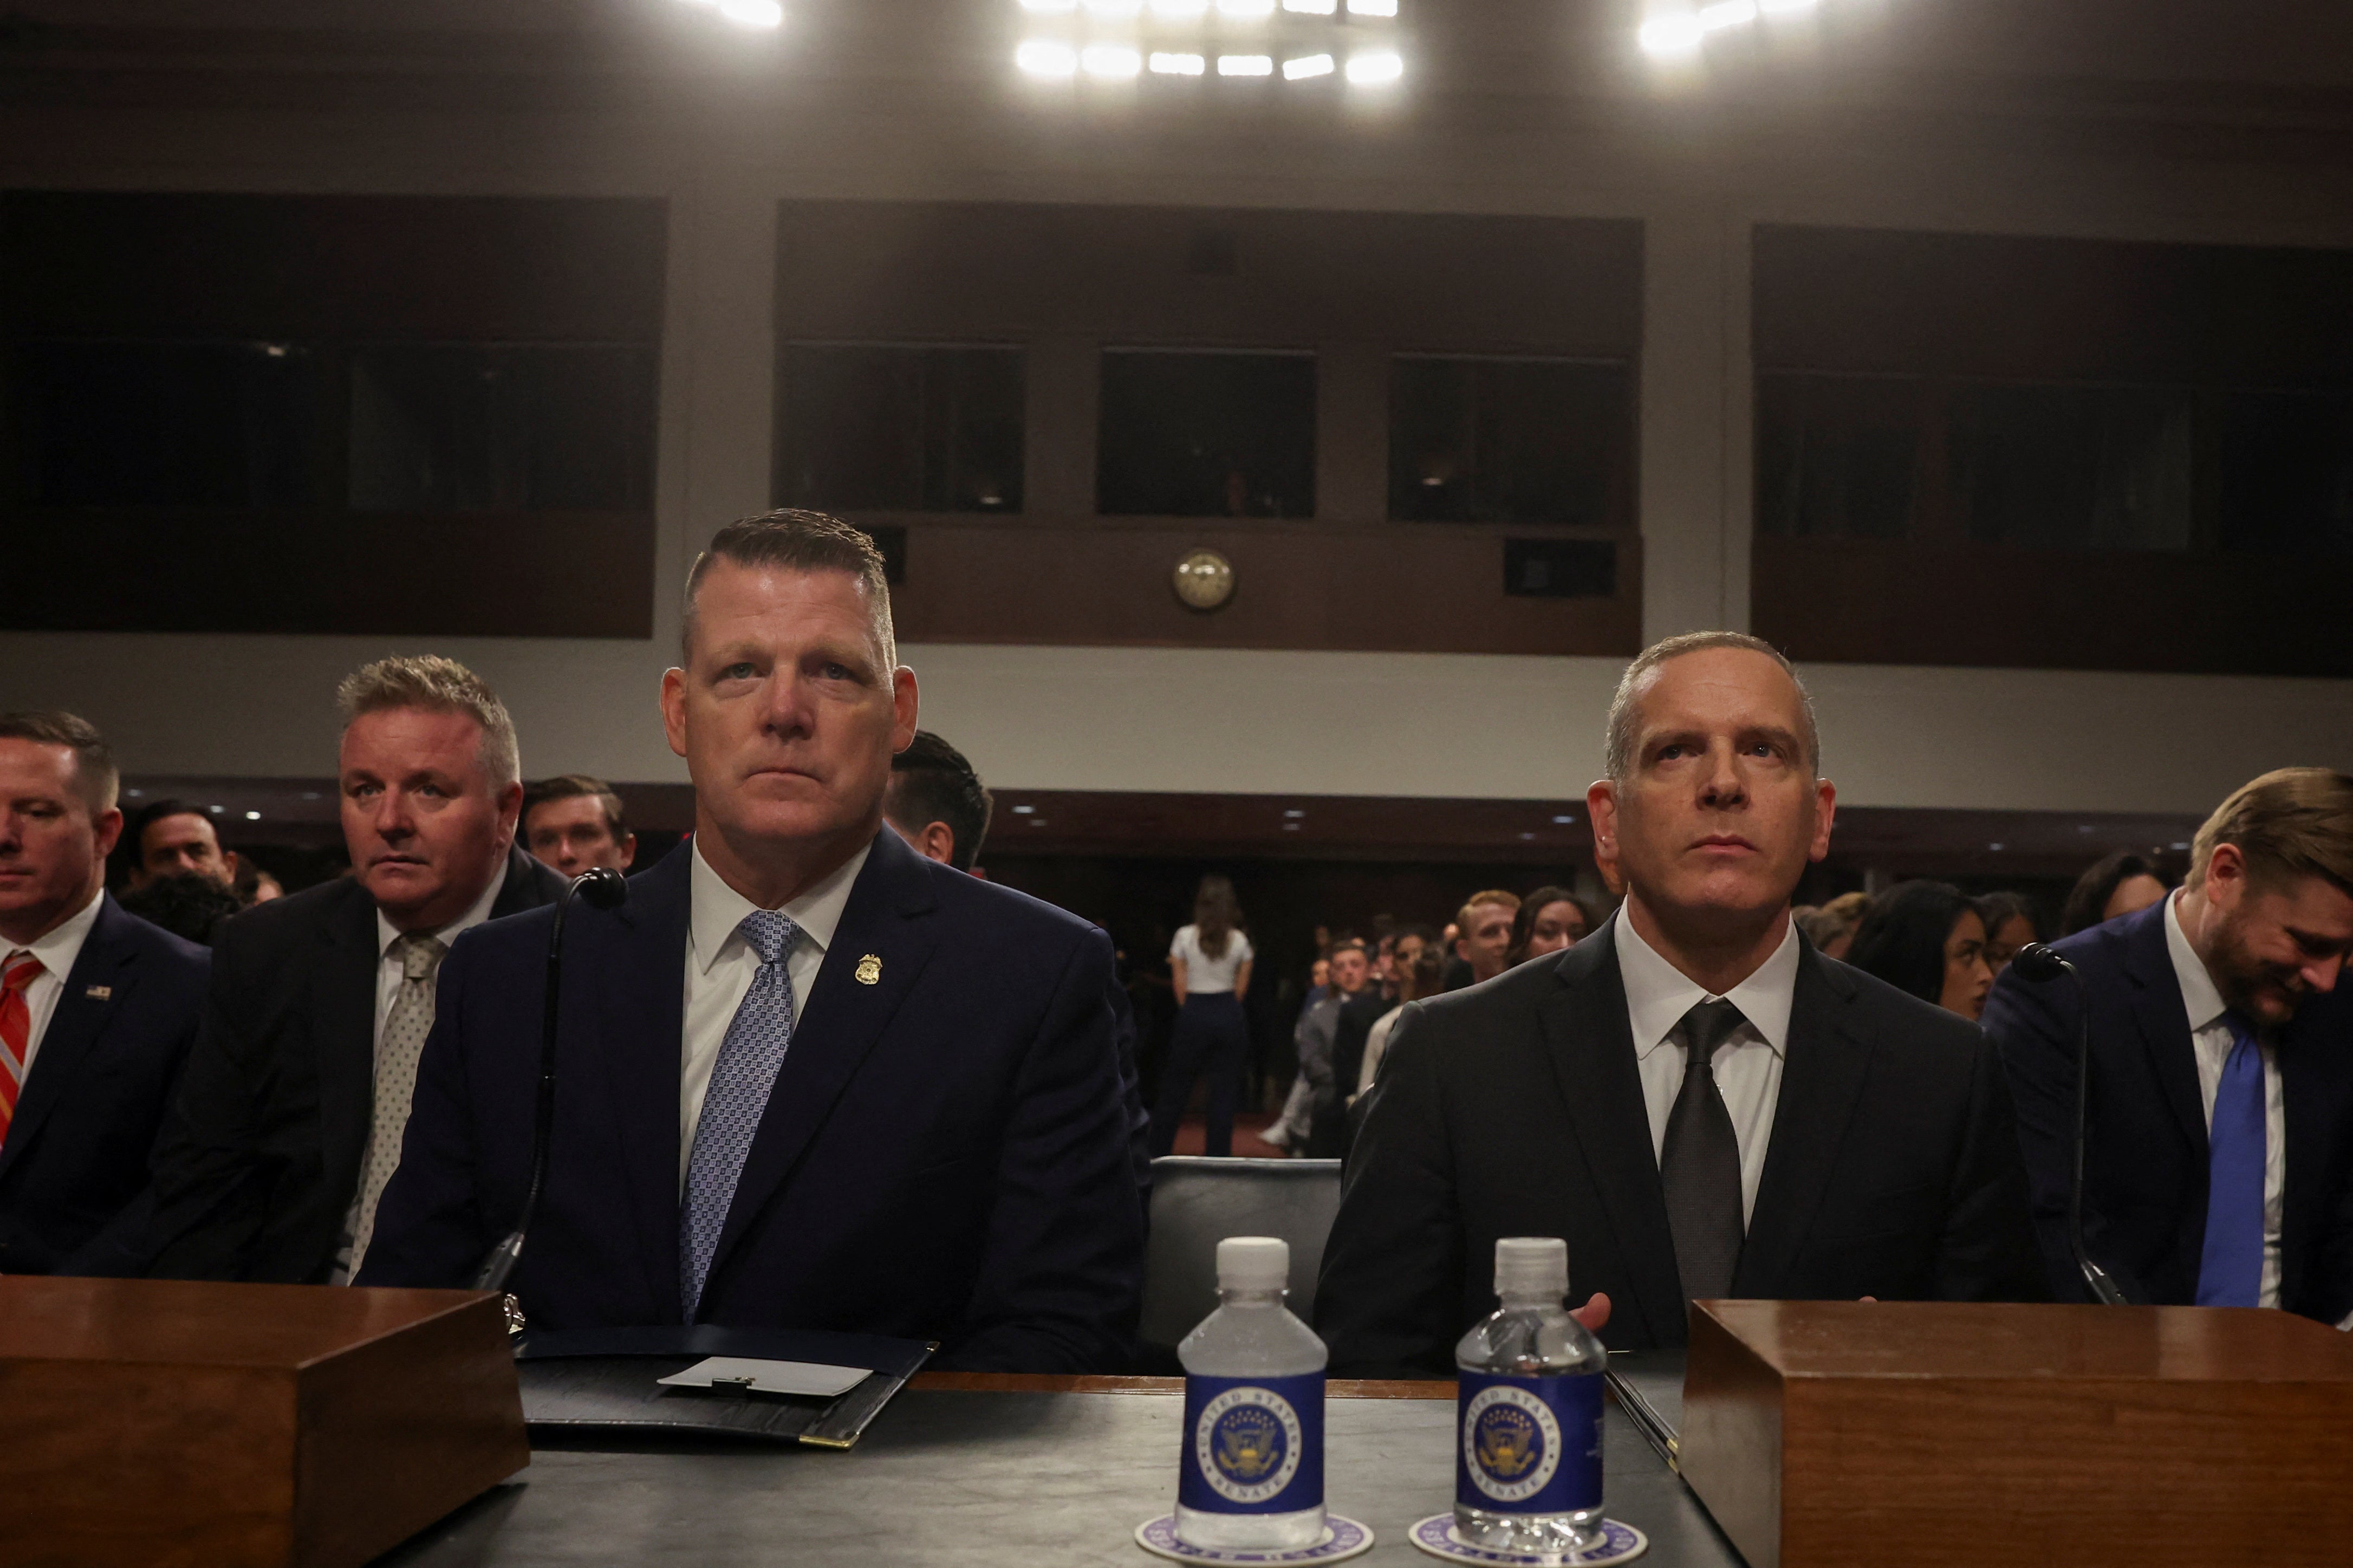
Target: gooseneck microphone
[[2040, 963], [605, 889]]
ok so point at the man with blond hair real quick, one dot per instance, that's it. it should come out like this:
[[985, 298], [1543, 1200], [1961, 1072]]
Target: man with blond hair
[[289, 1121], [2218, 1157]]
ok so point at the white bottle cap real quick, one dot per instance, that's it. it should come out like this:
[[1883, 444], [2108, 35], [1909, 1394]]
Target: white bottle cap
[[1253, 1263], [1531, 1266]]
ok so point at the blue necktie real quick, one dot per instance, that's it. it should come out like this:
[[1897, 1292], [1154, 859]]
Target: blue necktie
[[739, 1081], [2231, 1269]]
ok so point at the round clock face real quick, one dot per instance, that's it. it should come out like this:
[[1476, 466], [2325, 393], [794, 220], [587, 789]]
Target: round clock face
[[1204, 580]]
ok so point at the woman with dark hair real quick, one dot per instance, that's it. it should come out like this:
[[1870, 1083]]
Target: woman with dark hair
[[2009, 925], [1549, 920], [2121, 884], [1926, 938], [1210, 962]]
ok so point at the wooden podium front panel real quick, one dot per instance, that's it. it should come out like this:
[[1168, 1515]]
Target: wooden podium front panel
[[1827, 1434], [171, 1422]]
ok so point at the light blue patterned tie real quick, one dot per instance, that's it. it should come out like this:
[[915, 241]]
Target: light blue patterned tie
[[2231, 1263], [741, 1078]]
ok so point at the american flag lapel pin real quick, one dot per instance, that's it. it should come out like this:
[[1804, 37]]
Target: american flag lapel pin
[[100, 992]]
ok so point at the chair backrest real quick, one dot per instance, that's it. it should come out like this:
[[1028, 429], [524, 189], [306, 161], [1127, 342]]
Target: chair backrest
[[1197, 1203]]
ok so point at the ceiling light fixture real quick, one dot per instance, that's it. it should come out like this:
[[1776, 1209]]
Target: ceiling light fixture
[[1374, 68], [1110, 62], [1178, 65], [1246, 10], [1672, 36], [753, 13], [1041, 57], [1310, 66], [1312, 7], [1725, 14], [1372, 7], [1180, 10]]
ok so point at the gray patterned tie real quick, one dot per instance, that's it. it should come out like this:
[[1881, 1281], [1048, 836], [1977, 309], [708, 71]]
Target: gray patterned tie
[[405, 1025], [1701, 1162], [741, 1078]]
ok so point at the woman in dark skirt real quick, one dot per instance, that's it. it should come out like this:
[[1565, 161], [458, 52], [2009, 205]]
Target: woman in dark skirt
[[1210, 962]]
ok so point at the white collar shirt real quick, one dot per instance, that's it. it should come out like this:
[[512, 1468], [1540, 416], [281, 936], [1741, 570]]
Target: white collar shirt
[[1747, 1064], [389, 970], [57, 951], [721, 965], [2212, 1041]]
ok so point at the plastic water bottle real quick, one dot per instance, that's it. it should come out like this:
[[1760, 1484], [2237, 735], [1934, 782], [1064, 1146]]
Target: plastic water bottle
[[1251, 1474], [1528, 1468]]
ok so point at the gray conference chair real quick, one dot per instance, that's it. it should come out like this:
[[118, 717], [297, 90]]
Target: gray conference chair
[[1198, 1202]]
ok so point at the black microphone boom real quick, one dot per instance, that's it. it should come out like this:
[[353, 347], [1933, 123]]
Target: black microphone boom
[[2040, 963], [605, 889]]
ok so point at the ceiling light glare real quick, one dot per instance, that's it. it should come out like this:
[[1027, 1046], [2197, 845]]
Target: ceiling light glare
[[1671, 36], [1178, 65], [1312, 7], [753, 13], [1041, 57], [1051, 7], [1180, 10], [1110, 62], [1726, 14], [1115, 10], [1785, 7], [1310, 65], [1375, 68], [1245, 65], [1372, 7], [1246, 10]]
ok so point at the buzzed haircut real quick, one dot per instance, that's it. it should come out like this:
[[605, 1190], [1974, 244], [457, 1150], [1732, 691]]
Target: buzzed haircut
[[1617, 754], [571, 787], [798, 541], [437, 685], [931, 782], [2289, 824], [95, 774]]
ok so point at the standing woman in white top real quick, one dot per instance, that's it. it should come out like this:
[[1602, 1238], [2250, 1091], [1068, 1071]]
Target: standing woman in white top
[[1210, 962]]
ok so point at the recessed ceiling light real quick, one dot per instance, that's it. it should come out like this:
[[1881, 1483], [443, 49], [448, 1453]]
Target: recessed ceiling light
[[1372, 7], [1290, 827], [1527, 835], [1308, 65], [1295, 814], [1312, 7], [1993, 847], [253, 816], [753, 13], [134, 794], [1178, 65], [1023, 810], [1562, 821], [1110, 62], [1726, 14], [1040, 58], [1675, 34], [2182, 846], [1374, 68], [219, 809]]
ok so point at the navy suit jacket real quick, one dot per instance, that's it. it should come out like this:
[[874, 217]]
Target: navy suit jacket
[[75, 1160], [945, 1154], [2145, 1167]]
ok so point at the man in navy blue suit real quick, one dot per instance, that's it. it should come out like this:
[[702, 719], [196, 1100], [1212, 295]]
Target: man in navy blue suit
[[808, 1079], [98, 1009], [2218, 1164]]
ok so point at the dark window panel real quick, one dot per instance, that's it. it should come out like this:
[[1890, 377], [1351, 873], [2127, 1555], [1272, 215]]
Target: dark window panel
[[1502, 440], [502, 427], [1560, 568], [878, 427], [1206, 435], [1836, 457], [2287, 473], [147, 424], [2073, 467]]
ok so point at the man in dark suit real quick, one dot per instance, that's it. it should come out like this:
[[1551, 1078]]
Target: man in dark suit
[[812, 1080], [2219, 1158], [286, 1125], [1697, 1101], [97, 1008]]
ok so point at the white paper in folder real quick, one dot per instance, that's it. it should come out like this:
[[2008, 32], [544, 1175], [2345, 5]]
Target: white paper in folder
[[807, 1378]]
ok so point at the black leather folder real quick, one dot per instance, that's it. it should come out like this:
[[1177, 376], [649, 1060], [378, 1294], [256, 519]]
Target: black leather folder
[[584, 1382]]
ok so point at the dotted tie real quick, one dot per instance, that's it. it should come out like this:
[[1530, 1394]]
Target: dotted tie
[[1700, 1164], [20, 970], [757, 1039], [405, 1025]]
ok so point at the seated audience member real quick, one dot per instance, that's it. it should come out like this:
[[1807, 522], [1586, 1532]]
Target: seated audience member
[[97, 1011], [1483, 948], [1695, 1099], [2218, 1168], [165, 838], [1415, 980], [937, 802], [1831, 927], [2009, 924], [289, 1120], [1926, 939], [189, 904], [1547, 921], [572, 822], [1210, 964], [820, 1081], [1316, 1038], [1352, 1027], [2120, 885]]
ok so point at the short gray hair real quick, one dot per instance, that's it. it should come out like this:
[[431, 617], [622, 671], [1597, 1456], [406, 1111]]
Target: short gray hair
[[95, 773], [1619, 749], [799, 541], [437, 685]]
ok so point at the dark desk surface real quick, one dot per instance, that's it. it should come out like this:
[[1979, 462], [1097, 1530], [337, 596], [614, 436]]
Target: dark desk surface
[[983, 1471]]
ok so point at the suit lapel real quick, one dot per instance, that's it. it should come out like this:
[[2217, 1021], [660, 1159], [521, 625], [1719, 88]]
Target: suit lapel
[[845, 1016], [2163, 1020], [641, 983], [342, 1002], [1824, 1064], [75, 1025], [1591, 1044]]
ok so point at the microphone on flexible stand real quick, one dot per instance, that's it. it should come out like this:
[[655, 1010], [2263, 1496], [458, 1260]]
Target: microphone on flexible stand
[[2040, 962], [605, 889]]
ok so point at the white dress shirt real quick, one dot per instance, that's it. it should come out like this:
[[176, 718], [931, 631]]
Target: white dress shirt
[[720, 967], [389, 971], [1749, 1062], [2210, 1038], [57, 952]]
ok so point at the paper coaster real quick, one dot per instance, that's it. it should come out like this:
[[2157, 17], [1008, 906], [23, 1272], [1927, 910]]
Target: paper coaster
[[1342, 1539], [1618, 1543]]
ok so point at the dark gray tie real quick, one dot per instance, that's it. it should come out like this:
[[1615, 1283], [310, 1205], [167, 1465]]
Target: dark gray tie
[[1701, 1162]]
